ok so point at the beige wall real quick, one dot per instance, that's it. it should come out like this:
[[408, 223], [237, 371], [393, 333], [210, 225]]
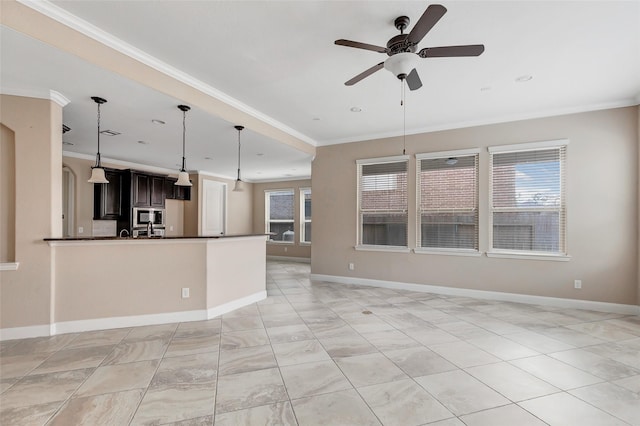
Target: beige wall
[[602, 183], [7, 195], [25, 294], [278, 249]]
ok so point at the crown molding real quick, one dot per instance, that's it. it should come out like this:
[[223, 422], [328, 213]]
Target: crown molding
[[50, 95], [60, 15], [126, 164]]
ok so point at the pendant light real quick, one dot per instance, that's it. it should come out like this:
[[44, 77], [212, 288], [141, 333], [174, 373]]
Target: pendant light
[[238, 187], [97, 172], [183, 176]]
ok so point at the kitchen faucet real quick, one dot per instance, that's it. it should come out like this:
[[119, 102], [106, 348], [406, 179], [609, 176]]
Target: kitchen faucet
[[124, 230]]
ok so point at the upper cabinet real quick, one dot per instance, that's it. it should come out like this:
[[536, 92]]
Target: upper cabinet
[[147, 190], [174, 192], [107, 197]]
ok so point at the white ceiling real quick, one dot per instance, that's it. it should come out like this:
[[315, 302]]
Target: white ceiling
[[278, 57]]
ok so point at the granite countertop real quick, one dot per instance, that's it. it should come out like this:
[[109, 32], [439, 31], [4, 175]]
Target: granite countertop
[[186, 237]]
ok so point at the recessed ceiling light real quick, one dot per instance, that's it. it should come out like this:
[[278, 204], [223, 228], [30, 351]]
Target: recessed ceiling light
[[355, 109], [316, 118], [208, 158], [143, 142], [110, 133], [156, 121], [67, 143], [288, 175], [259, 154], [523, 78], [485, 88]]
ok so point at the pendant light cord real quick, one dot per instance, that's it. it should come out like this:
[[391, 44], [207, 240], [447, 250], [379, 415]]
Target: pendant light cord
[[98, 154], [184, 134], [238, 154]]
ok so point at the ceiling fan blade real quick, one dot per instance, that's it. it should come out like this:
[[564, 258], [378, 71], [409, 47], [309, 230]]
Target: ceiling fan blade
[[451, 51], [413, 80], [358, 45], [429, 18], [364, 74]]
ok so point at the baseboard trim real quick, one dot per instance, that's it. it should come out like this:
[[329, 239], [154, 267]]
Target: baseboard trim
[[290, 259], [485, 294], [236, 304], [24, 332], [127, 321]]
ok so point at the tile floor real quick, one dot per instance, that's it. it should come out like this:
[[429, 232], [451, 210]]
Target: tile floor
[[308, 355]]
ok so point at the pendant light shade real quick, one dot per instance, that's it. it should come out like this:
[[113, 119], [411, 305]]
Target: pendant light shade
[[97, 172], [183, 176], [239, 186]]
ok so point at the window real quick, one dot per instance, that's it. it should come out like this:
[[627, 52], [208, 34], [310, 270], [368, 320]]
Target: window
[[447, 190], [382, 202], [279, 208], [305, 215], [528, 201]]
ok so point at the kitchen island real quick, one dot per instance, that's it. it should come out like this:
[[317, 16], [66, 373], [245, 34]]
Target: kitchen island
[[108, 282]]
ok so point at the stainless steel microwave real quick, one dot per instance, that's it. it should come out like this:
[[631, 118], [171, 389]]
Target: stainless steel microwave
[[142, 216]]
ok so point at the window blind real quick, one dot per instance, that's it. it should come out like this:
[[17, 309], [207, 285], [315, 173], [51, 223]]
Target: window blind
[[528, 200], [447, 189], [383, 203], [280, 214]]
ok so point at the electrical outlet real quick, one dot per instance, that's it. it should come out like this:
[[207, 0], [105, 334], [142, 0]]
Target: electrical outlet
[[285, 249], [352, 266], [185, 292], [577, 284], [170, 227], [80, 230]]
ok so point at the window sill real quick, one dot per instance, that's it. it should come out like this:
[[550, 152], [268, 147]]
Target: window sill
[[304, 243], [9, 266], [281, 242], [448, 252], [392, 249], [530, 256]]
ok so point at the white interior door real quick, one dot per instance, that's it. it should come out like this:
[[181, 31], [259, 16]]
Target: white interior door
[[214, 198]]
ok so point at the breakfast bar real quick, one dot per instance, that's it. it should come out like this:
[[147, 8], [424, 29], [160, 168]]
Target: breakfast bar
[[102, 283]]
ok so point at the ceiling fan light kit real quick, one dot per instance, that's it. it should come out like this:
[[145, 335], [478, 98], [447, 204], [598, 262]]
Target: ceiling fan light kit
[[402, 48]]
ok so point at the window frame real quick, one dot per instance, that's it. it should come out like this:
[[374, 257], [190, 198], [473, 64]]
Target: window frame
[[267, 213], [473, 152], [303, 220], [563, 253], [373, 247]]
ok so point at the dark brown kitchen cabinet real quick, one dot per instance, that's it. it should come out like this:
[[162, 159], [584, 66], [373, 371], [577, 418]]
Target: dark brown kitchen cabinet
[[107, 197], [173, 192], [147, 190]]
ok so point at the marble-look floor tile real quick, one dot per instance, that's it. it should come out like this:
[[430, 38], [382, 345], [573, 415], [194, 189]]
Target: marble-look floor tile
[[313, 378], [403, 403], [369, 324], [282, 320], [572, 337], [278, 414], [41, 389], [118, 378], [98, 338], [419, 361], [371, 369], [242, 323], [430, 336], [555, 372], [244, 339], [198, 421], [39, 345], [502, 348], [246, 359], [338, 408], [615, 400], [151, 332], [510, 381], [603, 330], [461, 393], [508, 415], [7, 383], [193, 345], [249, 310], [142, 350], [19, 365], [197, 368], [562, 409], [451, 422], [73, 359], [108, 409], [346, 346], [619, 351], [299, 352], [179, 402], [250, 389], [538, 342], [33, 415], [632, 383], [290, 333], [597, 365], [388, 340], [208, 328], [463, 354]]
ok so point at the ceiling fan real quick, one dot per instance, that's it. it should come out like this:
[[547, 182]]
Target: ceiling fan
[[402, 48]]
